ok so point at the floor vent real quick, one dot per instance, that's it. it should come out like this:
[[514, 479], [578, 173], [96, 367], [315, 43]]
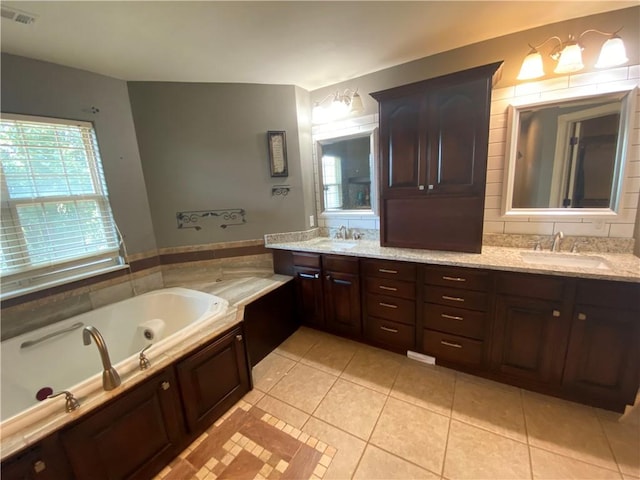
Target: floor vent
[[16, 15]]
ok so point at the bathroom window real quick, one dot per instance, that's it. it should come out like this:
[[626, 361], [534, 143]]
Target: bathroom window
[[56, 221]]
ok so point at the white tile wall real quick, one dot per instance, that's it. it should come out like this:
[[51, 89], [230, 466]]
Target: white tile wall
[[621, 225]]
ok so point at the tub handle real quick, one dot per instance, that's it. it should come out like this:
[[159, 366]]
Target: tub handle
[[165, 385], [143, 360], [71, 403]]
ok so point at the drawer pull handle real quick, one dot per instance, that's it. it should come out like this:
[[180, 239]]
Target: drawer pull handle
[[341, 282], [387, 329], [384, 270], [556, 313], [450, 344], [582, 316], [453, 299], [391, 289], [451, 317], [454, 279], [309, 275], [388, 305]]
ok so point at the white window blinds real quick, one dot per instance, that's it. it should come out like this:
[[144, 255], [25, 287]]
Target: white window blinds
[[56, 222]]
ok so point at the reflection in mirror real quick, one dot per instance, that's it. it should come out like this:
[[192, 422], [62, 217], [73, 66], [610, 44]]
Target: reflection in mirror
[[568, 154], [345, 172]]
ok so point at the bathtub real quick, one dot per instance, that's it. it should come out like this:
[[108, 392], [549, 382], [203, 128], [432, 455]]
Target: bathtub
[[161, 318]]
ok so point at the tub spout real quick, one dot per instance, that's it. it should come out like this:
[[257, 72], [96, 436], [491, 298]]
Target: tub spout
[[110, 377]]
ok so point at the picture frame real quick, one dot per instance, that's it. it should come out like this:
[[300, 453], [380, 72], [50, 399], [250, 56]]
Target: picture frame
[[277, 141]]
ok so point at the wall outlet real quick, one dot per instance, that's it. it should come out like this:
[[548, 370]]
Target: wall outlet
[[312, 221], [599, 224]]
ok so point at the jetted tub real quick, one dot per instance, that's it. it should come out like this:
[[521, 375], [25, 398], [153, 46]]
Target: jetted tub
[[62, 362]]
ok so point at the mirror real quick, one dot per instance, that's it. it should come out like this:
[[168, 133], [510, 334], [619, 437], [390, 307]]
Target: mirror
[[346, 172], [567, 156]]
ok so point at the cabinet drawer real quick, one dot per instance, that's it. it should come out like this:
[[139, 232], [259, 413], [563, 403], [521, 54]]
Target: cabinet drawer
[[531, 285], [390, 308], [456, 297], [390, 269], [390, 287], [452, 348], [457, 277], [335, 263], [459, 321], [390, 333], [617, 295], [306, 259]]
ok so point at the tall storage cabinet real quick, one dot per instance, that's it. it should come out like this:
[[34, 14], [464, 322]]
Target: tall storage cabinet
[[433, 161]]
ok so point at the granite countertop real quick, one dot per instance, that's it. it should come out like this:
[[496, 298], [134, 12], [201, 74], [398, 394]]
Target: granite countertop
[[238, 292], [621, 266]]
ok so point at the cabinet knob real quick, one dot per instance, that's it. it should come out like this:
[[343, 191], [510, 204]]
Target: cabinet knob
[[556, 313], [582, 316], [328, 277], [420, 187], [239, 338], [165, 385], [39, 466]]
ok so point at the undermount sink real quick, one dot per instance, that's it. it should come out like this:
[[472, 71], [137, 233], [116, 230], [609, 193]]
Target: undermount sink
[[564, 260], [336, 244]]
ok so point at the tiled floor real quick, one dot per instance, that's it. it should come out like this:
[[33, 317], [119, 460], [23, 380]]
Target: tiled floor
[[377, 415]]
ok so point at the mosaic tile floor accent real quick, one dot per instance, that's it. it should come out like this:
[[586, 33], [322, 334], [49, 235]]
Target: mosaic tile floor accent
[[248, 443]]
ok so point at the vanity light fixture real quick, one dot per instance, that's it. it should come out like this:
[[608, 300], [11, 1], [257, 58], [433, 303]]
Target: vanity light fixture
[[341, 104], [568, 54]]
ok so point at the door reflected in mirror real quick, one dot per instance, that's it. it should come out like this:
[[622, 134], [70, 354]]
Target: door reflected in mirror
[[345, 172], [568, 154]]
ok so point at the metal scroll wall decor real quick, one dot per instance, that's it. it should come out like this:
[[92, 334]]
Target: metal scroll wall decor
[[232, 217]]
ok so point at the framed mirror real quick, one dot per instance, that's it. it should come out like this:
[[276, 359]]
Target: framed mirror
[[346, 172], [567, 157]]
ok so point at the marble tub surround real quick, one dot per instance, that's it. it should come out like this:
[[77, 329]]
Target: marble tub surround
[[389, 417], [584, 244], [622, 266]]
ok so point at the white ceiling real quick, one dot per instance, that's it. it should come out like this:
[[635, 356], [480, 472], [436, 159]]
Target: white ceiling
[[310, 44]]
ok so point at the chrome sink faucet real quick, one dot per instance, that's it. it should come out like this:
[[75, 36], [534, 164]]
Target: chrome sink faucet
[[557, 238], [110, 377], [342, 232]]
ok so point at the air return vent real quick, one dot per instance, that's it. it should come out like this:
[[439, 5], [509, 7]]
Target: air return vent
[[16, 15]]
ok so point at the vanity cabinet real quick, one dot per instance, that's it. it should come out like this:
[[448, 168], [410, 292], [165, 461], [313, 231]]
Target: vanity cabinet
[[389, 299], [213, 379], [342, 295], [454, 314], [308, 279], [44, 461], [602, 358], [433, 157], [531, 327], [134, 436]]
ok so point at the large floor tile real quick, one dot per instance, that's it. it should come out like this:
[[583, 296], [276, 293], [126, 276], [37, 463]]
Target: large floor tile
[[299, 343], [427, 386], [351, 407], [377, 464], [490, 405], [566, 428], [413, 433], [303, 387], [348, 448], [330, 354], [548, 465], [475, 453], [283, 411], [270, 370], [374, 368], [624, 439]]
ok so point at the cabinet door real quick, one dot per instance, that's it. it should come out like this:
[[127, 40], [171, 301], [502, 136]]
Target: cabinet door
[[458, 131], [530, 338], [602, 359], [342, 295], [400, 144], [309, 296], [44, 461], [213, 379], [134, 436]]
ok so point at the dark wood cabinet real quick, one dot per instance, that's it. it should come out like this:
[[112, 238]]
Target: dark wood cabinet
[[433, 156], [213, 379], [309, 297], [44, 461], [531, 328], [342, 295], [134, 436], [602, 357]]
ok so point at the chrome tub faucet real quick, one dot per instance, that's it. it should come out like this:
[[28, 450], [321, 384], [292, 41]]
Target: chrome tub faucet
[[110, 377]]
